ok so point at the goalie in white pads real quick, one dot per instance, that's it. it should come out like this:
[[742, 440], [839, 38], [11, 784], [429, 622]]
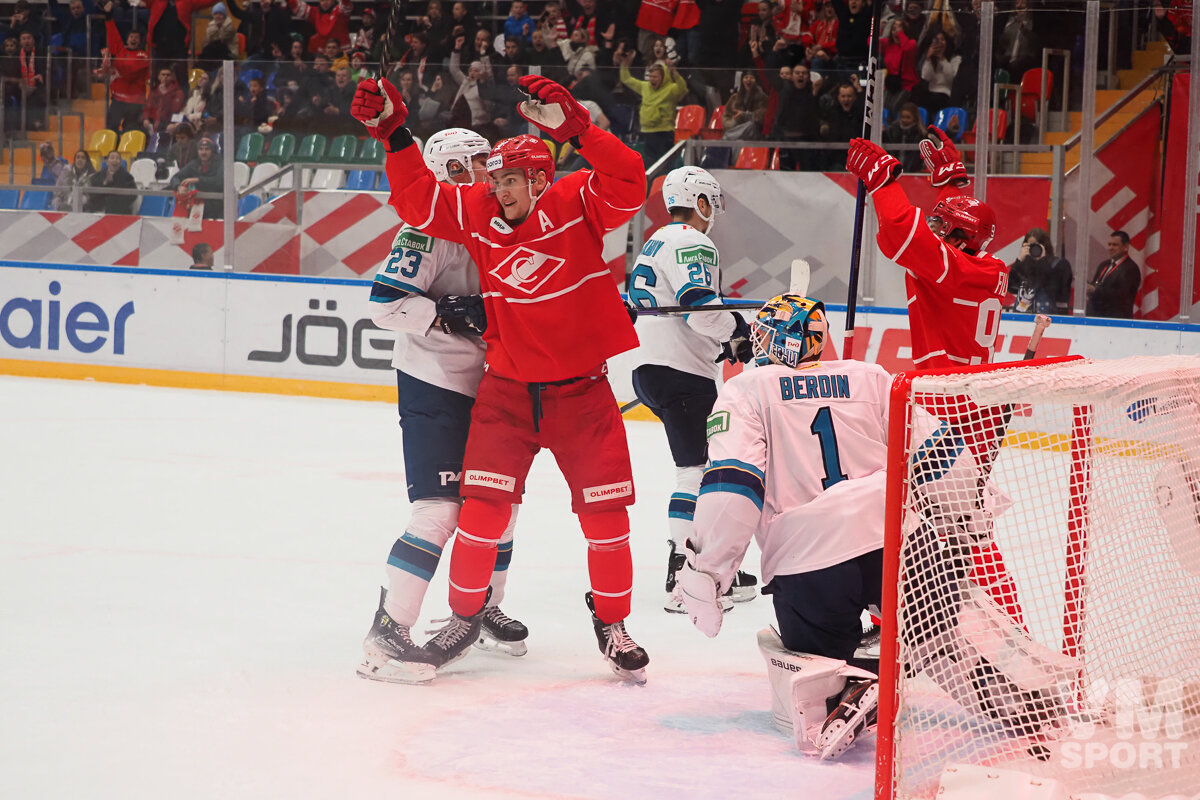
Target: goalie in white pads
[[428, 292], [797, 450], [678, 360]]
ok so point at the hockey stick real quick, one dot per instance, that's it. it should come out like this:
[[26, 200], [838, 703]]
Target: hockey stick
[[1040, 323], [395, 20], [797, 284], [860, 199], [662, 311]]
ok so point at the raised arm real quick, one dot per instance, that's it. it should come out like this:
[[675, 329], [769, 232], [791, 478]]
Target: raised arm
[[417, 196], [616, 188]]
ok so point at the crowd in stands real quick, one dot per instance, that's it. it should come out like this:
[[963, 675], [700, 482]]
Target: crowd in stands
[[787, 70]]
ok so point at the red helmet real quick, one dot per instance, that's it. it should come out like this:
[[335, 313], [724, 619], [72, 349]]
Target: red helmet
[[974, 221], [522, 152]]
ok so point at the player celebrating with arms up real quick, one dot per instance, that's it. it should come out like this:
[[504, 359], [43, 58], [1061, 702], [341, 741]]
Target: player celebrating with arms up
[[426, 291], [554, 318], [677, 373], [955, 290]]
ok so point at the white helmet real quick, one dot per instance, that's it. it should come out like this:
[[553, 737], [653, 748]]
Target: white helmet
[[685, 185], [457, 145]]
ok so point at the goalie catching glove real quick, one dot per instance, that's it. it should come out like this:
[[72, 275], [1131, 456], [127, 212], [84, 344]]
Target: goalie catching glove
[[379, 106], [701, 594], [871, 164], [461, 314], [739, 349], [552, 109], [942, 160]]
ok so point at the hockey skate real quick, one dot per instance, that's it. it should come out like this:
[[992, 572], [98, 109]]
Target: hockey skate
[[451, 642], [856, 713], [390, 654], [501, 633], [623, 655], [744, 587], [674, 603]]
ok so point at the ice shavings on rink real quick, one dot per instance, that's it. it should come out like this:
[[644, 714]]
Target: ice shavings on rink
[[187, 576]]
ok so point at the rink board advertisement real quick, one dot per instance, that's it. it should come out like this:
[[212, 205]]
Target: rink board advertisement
[[303, 335]]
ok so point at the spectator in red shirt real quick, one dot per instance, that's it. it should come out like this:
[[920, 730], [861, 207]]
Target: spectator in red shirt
[[899, 54], [166, 100], [130, 66], [326, 18]]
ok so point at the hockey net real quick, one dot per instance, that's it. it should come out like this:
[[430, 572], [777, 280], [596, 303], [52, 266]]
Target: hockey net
[[1042, 576]]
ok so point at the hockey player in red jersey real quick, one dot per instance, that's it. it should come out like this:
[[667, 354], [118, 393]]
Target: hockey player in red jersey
[[554, 316], [955, 288]]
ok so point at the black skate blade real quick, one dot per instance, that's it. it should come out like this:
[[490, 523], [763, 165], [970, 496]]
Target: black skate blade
[[490, 644], [636, 677], [397, 672], [744, 594]]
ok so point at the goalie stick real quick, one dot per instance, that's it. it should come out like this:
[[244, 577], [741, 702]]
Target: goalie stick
[[797, 284]]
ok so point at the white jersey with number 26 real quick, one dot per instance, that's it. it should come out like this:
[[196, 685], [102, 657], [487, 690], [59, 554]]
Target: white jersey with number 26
[[679, 266], [796, 460]]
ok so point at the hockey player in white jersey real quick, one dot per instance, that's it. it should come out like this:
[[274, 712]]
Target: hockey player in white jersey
[[428, 292], [679, 358], [797, 450]]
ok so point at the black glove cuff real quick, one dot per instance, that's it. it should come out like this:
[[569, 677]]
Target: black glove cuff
[[401, 138]]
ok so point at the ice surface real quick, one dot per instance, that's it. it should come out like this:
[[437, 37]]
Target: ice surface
[[186, 578]]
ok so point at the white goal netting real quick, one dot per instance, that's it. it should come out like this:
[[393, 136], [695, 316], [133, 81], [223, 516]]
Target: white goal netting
[[1047, 607]]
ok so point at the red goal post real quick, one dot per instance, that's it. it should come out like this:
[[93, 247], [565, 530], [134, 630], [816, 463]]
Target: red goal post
[[1035, 510]]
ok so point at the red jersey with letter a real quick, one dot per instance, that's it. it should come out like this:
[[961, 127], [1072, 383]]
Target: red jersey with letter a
[[954, 298], [554, 311]]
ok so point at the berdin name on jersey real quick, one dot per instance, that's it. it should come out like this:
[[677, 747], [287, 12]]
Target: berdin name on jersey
[[800, 387]]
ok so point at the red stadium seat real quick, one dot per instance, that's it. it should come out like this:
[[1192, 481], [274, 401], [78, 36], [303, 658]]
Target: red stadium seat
[[716, 125], [752, 158], [688, 122], [1031, 91]]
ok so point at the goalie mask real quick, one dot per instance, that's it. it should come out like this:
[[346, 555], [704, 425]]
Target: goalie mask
[[685, 185], [789, 330], [453, 146]]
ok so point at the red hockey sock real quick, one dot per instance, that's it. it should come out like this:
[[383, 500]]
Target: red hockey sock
[[610, 565], [481, 523], [990, 573]]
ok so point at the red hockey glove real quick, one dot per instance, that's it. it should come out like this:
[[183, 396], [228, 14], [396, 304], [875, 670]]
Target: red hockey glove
[[552, 108], [942, 159], [871, 164], [380, 107]]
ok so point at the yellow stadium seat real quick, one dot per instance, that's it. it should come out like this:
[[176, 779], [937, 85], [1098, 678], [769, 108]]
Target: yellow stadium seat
[[132, 143], [102, 143]]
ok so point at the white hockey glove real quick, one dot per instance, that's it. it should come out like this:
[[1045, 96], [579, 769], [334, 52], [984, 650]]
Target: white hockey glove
[[701, 595]]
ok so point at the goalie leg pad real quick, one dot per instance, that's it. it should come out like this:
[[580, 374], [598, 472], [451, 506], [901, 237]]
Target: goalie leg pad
[[993, 668], [802, 686]]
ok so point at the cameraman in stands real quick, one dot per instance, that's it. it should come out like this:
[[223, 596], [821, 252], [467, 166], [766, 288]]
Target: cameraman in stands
[[1040, 281]]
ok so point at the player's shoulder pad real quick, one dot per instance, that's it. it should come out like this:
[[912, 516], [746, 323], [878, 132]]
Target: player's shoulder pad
[[410, 238]]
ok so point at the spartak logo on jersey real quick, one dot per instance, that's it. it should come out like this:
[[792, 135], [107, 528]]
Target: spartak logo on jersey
[[527, 269]]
